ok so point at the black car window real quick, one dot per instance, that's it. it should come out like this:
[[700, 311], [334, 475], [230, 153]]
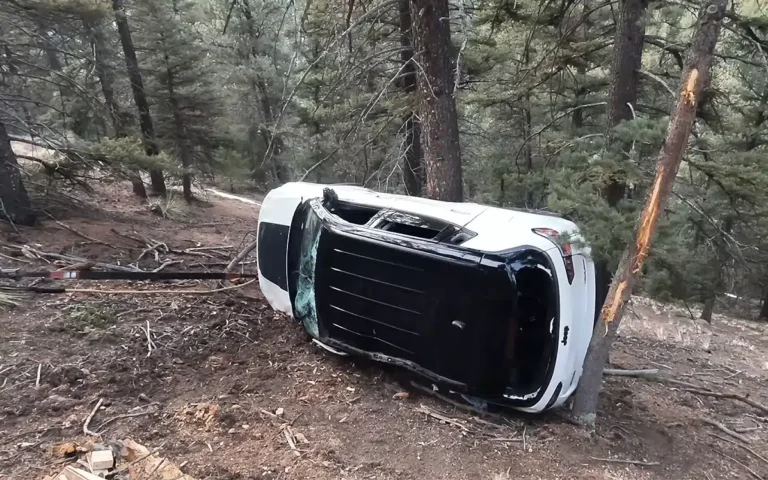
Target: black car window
[[412, 225], [357, 214]]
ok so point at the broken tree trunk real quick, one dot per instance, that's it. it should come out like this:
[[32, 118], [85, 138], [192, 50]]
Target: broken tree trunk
[[431, 33], [694, 79]]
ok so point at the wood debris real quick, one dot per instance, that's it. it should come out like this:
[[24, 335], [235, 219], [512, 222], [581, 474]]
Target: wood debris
[[143, 464], [134, 460]]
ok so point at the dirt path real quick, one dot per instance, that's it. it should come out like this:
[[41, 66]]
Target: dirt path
[[230, 350]]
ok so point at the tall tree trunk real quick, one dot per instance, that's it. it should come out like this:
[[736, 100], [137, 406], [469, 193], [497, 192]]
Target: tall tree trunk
[[627, 60], [274, 145], [695, 78], [430, 27], [182, 142], [107, 81], [763, 315], [413, 175], [14, 201], [139, 95], [709, 308]]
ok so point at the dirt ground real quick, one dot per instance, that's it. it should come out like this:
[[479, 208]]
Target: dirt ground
[[226, 375]]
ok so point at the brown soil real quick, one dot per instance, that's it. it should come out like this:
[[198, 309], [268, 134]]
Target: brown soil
[[232, 351]]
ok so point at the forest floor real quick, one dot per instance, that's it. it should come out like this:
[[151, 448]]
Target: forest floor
[[227, 374]]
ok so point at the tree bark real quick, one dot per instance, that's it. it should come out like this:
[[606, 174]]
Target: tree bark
[[14, 201], [139, 95], [413, 175], [627, 60], [274, 145], [182, 142], [709, 308], [695, 78], [763, 315], [431, 33]]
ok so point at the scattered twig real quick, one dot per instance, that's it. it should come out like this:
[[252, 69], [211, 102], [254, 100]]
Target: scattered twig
[[762, 458], [525, 428], [725, 429], [14, 259], [630, 373], [266, 412], [150, 344], [162, 461], [129, 237], [86, 431], [166, 264], [39, 370], [151, 248], [215, 247], [169, 291], [288, 433], [629, 462], [30, 252], [125, 415], [443, 418], [752, 472], [457, 404]]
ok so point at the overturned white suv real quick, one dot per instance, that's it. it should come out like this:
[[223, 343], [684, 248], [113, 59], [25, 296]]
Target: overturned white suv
[[495, 304]]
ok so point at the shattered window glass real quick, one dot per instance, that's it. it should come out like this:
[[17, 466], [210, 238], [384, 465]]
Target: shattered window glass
[[306, 309]]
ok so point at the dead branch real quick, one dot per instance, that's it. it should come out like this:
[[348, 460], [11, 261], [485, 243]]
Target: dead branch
[[240, 256], [629, 462], [762, 458], [730, 395], [120, 417], [752, 472], [630, 373], [290, 438], [79, 233], [725, 429], [150, 344], [27, 251], [151, 248], [166, 264], [86, 431], [129, 237], [690, 387]]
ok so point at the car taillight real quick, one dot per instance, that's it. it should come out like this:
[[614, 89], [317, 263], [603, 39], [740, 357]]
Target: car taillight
[[565, 249]]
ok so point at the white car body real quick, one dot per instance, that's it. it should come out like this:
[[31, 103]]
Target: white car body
[[493, 230]]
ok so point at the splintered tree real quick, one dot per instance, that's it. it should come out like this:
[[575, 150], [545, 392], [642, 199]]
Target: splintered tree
[[695, 79], [14, 201], [431, 32], [139, 95]]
